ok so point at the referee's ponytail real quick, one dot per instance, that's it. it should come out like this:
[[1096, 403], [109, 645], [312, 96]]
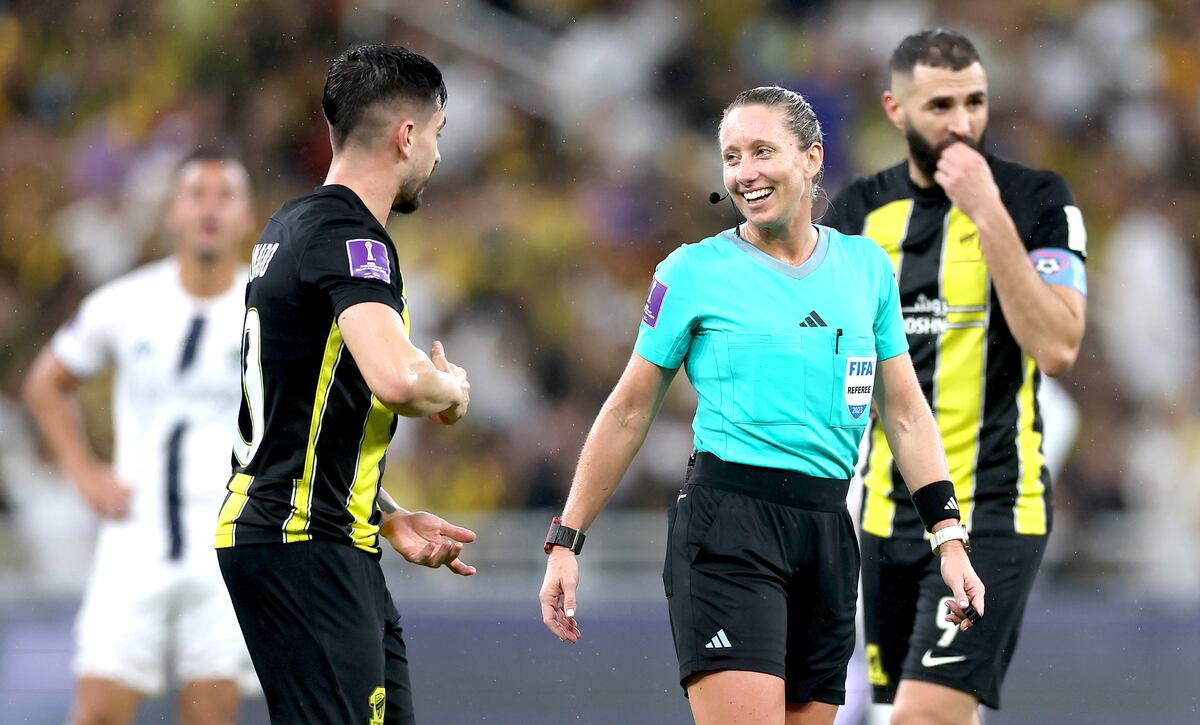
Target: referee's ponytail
[[798, 114]]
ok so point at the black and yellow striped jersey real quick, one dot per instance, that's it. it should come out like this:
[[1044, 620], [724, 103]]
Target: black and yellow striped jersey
[[310, 450], [980, 384]]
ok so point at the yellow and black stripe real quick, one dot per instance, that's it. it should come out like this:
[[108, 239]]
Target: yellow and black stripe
[[981, 386], [313, 471]]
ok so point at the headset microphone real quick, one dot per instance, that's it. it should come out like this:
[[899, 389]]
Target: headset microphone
[[716, 198]]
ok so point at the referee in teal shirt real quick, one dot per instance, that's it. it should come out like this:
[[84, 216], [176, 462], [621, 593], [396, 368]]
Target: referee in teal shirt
[[788, 332]]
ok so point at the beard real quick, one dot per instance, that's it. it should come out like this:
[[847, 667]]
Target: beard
[[407, 203], [408, 196], [925, 155]]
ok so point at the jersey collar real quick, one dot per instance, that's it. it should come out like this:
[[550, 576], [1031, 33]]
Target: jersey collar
[[810, 265]]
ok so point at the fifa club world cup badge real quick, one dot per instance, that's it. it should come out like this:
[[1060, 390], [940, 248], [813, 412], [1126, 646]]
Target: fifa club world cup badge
[[860, 380], [654, 302], [369, 259]]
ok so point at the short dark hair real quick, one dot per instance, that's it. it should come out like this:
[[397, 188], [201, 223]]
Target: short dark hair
[[375, 73], [206, 153], [935, 47]]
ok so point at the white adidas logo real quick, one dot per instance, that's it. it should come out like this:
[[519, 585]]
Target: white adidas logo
[[720, 641], [952, 505]]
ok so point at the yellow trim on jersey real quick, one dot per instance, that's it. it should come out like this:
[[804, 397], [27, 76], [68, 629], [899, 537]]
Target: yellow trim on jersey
[[1030, 512], [371, 449], [296, 526], [959, 378], [887, 226], [235, 501]]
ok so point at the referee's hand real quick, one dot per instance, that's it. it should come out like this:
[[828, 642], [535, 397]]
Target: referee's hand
[[558, 594], [428, 540], [968, 589]]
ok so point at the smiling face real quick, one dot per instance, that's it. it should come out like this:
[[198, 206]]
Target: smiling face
[[935, 107], [767, 172]]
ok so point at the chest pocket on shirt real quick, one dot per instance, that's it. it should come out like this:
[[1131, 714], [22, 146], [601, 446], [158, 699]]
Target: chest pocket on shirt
[[854, 366], [767, 372]]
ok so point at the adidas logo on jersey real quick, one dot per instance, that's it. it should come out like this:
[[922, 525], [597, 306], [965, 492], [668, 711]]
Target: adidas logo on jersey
[[719, 641], [813, 320]]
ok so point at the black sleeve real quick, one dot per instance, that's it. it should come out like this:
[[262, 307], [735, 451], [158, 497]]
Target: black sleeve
[[1057, 221], [351, 264], [845, 212]]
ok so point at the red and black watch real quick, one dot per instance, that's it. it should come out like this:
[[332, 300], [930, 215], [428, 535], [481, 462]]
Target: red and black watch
[[563, 536]]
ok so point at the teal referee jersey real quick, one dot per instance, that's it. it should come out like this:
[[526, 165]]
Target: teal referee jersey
[[782, 358]]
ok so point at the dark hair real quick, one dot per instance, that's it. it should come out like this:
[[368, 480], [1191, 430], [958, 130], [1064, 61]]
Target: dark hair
[[206, 153], [935, 47], [374, 73], [798, 115]]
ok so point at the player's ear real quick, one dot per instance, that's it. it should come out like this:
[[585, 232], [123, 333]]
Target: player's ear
[[405, 138], [893, 109]]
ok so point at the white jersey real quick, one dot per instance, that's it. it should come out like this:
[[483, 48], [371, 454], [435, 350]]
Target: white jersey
[[176, 391]]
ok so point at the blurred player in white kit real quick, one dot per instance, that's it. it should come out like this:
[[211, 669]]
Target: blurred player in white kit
[[171, 331]]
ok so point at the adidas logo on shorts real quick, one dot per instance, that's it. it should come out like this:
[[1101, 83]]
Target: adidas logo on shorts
[[719, 641]]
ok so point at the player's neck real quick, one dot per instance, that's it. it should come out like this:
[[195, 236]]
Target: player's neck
[[918, 177], [791, 244], [204, 279], [375, 186]]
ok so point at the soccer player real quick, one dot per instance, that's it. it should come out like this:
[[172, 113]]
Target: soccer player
[[170, 330], [327, 366], [788, 331], [989, 257]]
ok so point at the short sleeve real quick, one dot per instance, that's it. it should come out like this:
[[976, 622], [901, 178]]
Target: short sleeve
[[351, 264], [87, 343], [668, 318], [1058, 223], [890, 339]]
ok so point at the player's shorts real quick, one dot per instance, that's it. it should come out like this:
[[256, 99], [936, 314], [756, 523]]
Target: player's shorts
[[904, 603], [761, 575], [323, 631], [144, 616]]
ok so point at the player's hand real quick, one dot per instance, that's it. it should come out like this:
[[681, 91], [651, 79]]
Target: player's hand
[[428, 540], [960, 576], [964, 174], [455, 412], [558, 594], [104, 493]]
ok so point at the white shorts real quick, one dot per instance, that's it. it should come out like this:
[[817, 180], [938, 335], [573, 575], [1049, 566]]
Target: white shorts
[[142, 618]]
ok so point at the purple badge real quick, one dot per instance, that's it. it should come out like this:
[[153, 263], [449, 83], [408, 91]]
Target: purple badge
[[369, 259], [658, 292]]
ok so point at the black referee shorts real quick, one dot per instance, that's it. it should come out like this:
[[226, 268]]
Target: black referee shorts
[[904, 605], [322, 631], [761, 575]]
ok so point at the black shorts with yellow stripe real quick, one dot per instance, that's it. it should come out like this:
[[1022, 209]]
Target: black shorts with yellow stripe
[[904, 603], [322, 631]]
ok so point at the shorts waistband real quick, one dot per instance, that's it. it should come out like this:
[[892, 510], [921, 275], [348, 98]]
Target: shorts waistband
[[778, 485]]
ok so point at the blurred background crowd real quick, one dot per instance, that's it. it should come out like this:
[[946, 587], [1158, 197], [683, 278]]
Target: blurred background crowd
[[580, 150]]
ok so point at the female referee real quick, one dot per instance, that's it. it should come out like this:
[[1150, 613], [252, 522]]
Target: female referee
[[781, 325]]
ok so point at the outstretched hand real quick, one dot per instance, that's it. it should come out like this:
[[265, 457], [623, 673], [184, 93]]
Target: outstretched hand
[[429, 540]]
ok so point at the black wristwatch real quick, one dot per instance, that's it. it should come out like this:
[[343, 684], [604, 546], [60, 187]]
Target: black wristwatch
[[563, 536]]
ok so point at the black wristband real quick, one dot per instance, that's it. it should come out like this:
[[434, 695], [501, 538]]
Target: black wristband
[[936, 502]]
